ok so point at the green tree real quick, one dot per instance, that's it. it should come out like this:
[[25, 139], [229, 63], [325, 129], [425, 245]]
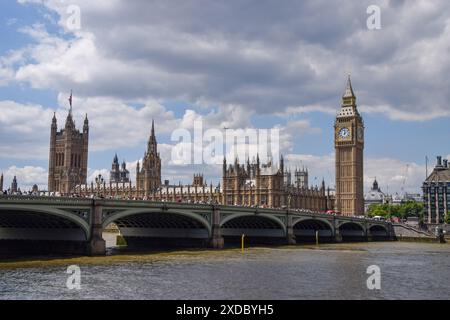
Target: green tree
[[447, 218], [404, 210]]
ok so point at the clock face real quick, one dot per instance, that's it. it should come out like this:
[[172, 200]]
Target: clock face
[[344, 133], [360, 133]]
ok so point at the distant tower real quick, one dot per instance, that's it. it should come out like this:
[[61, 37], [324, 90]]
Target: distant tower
[[198, 180], [114, 174], [301, 178], [68, 157], [124, 173], [1, 183], [148, 176], [14, 187], [349, 146]]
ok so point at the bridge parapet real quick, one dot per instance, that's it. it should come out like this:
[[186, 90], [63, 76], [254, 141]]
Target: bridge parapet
[[93, 216]]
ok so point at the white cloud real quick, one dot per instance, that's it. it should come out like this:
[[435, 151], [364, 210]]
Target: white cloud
[[26, 177], [393, 175], [221, 55]]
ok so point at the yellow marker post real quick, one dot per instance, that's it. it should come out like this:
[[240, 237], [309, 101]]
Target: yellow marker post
[[317, 238], [242, 242]]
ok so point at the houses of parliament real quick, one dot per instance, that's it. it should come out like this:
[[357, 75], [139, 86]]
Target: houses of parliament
[[247, 184]]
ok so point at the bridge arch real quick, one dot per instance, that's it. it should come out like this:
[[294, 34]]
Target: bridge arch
[[156, 227], [378, 232], [258, 228], [305, 230], [352, 231], [9, 217]]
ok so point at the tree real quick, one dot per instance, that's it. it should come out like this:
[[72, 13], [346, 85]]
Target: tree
[[404, 210], [447, 218]]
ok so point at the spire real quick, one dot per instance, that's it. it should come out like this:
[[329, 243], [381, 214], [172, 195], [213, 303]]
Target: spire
[[348, 100], [116, 159], [349, 89], [152, 144], [375, 184], [54, 125], [70, 102], [153, 127], [69, 120]]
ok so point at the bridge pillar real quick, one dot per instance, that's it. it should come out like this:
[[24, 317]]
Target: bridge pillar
[[96, 245], [290, 236], [337, 237], [217, 241]]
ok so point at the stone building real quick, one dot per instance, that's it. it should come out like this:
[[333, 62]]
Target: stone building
[[14, 186], [256, 184], [349, 147], [436, 192], [374, 196], [68, 159], [148, 176], [119, 173], [253, 184]]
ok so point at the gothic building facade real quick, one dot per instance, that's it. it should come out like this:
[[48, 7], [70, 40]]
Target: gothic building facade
[[119, 173], [148, 176], [349, 147], [250, 184], [68, 159], [267, 185]]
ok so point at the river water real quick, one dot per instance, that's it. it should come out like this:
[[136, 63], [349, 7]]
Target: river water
[[333, 271]]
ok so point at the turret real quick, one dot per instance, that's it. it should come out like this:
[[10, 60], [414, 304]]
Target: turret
[[86, 125], [152, 144], [70, 124], [14, 188], [54, 126], [281, 163], [224, 167]]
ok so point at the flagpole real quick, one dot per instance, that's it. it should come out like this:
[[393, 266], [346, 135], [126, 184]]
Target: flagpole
[[70, 101]]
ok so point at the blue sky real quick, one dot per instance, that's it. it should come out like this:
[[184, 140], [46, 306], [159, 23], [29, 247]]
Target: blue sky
[[239, 64]]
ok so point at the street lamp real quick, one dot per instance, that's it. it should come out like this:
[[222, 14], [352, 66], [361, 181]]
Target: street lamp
[[289, 201], [99, 181]]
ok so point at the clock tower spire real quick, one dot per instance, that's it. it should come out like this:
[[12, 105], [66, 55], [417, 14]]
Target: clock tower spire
[[349, 147]]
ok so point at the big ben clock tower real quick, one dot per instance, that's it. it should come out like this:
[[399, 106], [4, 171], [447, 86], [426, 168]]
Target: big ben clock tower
[[349, 146]]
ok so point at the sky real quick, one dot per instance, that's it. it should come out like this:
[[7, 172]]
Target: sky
[[234, 64]]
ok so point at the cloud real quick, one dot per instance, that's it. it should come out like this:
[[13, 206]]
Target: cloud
[[265, 59], [26, 177], [393, 175], [25, 130]]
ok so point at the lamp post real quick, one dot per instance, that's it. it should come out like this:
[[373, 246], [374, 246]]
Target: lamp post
[[289, 201], [99, 181]]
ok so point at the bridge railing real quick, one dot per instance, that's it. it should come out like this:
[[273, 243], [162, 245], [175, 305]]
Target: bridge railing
[[43, 199], [119, 202]]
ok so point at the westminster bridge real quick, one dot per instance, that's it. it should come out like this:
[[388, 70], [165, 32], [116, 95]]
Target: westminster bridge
[[75, 225]]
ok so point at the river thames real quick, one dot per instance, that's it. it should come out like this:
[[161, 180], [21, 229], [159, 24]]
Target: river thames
[[334, 271]]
